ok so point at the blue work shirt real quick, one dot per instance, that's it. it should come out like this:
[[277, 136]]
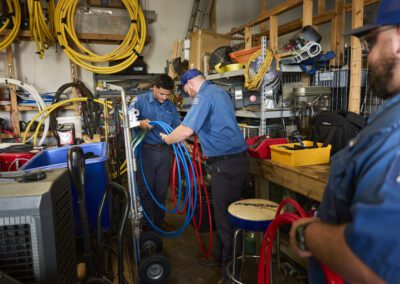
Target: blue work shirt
[[149, 108], [212, 117], [364, 191]]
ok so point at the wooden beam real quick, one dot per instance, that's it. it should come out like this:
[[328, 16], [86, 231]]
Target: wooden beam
[[307, 13], [337, 32], [264, 7], [321, 6], [356, 57], [213, 16], [296, 25], [275, 11], [13, 90], [307, 21], [174, 54], [273, 33], [74, 77], [248, 37], [348, 7]]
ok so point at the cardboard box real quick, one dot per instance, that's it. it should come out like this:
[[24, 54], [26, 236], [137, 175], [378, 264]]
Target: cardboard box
[[205, 42]]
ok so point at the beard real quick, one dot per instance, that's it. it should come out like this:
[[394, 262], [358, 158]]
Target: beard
[[381, 75]]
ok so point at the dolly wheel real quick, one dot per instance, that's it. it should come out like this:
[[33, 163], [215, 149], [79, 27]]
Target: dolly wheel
[[154, 268], [150, 243]]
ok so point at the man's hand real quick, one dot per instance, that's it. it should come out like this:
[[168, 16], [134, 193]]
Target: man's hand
[[292, 234], [164, 137], [145, 124]]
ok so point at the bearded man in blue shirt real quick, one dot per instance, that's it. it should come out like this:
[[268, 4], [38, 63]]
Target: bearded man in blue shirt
[[156, 155], [212, 118], [357, 233]]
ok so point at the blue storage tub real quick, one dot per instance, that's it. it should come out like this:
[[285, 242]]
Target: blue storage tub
[[96, 178]]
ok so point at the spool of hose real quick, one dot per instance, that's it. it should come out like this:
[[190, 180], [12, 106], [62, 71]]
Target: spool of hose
[[127, 52], [35, 95], [13, 16], [41, 30], [90, 110]]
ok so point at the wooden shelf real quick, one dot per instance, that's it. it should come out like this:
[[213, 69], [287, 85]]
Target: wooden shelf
[[96, 38], [29, 108]]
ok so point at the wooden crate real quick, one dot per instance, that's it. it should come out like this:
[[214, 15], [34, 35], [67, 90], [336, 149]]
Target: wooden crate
[[202, 42]]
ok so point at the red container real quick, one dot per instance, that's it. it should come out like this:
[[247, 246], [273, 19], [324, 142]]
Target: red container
[[263, 151], [10, 162]]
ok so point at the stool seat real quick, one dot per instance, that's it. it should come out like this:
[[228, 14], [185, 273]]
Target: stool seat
[[252, 214]]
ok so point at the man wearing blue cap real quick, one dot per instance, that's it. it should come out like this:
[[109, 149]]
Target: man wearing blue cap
[[156, 156], [212, 118], [357, 233]]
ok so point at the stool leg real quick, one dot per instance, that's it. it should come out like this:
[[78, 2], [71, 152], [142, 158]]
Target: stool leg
[[234, 252]]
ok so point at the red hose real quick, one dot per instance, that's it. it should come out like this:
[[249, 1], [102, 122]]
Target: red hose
[[270, 235]]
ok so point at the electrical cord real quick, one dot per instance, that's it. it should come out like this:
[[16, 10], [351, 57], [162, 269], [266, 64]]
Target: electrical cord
[[254, 82], [14, 17], [127, 51], [90, 110], [41, 31], [35, 95], [286, 218]]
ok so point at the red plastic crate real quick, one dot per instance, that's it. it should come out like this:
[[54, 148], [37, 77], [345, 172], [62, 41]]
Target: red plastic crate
[[263, 151], [6, 159]]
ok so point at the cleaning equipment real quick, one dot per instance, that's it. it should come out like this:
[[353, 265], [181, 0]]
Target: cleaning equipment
[[89, 110], [128, 50], [39, 101], [269, 238], [42, 32], [48, 110], [13, 16], [66, 134]]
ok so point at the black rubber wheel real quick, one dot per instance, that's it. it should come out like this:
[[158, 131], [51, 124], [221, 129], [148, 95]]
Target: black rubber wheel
[[150, 243], [153, 269]]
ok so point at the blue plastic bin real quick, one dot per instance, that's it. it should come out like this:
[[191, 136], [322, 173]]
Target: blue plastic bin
[[96, 178]]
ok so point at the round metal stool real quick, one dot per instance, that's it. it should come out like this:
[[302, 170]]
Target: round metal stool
[[248, 215]]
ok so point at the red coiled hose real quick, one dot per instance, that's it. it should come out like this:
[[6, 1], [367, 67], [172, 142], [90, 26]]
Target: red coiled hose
[[269, 238]]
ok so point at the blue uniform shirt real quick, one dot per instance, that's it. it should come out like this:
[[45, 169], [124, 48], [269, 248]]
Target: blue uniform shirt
[[212, 117], [364, 191], [150, 108]]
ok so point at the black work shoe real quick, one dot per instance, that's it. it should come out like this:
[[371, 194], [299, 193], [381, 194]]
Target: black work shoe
[[208, 261]]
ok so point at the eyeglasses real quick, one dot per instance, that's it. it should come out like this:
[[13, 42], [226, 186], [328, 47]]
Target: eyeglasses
[[368, 41]]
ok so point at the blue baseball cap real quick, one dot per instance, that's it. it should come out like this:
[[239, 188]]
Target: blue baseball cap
[[388, 15], [189, 74]]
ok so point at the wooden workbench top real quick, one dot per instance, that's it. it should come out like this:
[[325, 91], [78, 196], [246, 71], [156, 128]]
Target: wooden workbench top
[[309, 181]]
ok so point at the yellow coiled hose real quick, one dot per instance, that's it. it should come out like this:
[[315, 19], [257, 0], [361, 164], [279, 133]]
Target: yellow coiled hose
[[42, 32], [14, 16], [128, 50], [254, 82]]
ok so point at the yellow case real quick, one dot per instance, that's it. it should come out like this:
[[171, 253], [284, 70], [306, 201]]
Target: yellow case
[[304, 157]]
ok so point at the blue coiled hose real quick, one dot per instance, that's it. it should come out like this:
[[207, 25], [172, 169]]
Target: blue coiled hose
[[183, 160]]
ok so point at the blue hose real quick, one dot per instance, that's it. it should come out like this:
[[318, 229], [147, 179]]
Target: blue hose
[[183, 160]]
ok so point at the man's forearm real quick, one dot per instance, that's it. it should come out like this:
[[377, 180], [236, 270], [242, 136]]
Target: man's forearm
[[327, 243], [180, 133]]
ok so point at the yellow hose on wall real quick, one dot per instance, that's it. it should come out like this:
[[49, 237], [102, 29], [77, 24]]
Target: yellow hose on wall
[[127, 51], [14, 17], [254, 82], [41, 31]]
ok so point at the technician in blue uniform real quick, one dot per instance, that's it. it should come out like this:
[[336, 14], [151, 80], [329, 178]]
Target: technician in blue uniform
[[156, 156], [212, 118], [357, 235]]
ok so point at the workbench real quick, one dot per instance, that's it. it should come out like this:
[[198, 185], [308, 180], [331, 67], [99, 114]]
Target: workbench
[[309, 181]]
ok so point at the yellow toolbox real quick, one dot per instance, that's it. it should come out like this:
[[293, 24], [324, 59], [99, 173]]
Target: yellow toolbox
[[302, 157]]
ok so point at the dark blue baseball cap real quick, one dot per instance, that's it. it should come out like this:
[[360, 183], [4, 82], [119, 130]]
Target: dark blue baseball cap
[[189, 74], [388, 15]]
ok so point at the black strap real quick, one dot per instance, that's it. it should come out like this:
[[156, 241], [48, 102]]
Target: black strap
[[330, 136]]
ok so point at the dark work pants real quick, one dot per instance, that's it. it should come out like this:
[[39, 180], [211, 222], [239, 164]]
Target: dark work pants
[[227, 178], [156, 161]]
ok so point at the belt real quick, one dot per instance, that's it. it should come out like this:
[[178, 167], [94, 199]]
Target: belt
[[155, 146], [227, 157]]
